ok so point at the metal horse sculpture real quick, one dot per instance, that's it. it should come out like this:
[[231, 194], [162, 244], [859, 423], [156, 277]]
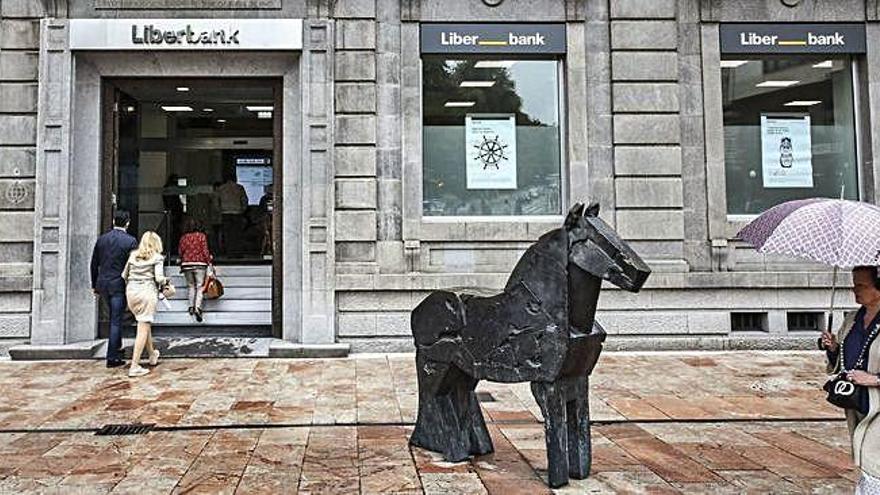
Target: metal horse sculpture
[[541, 329]]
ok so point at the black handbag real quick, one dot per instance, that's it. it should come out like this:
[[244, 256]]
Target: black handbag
[[842, 392]]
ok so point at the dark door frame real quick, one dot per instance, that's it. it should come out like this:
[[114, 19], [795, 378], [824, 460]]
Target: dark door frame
[[110, 183]]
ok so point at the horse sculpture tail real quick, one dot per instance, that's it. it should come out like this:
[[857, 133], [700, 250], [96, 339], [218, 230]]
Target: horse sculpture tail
[[439, 316]]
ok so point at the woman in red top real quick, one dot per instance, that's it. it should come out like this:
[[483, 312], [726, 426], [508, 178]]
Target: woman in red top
[[194, 260]]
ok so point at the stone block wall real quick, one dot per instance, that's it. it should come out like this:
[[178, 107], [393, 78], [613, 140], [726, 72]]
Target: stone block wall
[[645, 102], [19, 49]]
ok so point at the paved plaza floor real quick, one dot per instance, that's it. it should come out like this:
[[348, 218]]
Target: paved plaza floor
[[737, 422]]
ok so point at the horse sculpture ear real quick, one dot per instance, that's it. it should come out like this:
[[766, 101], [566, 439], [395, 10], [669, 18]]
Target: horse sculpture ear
[[574, 214], [592, 210]]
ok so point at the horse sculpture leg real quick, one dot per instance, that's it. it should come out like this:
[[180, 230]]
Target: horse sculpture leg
[[449, 418], [550, 397], [579, 447]]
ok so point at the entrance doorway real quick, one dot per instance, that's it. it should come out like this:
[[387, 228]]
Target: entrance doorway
[[182, 154]]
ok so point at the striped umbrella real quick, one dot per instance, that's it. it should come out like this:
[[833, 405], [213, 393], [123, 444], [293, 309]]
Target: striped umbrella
[[836, 232]]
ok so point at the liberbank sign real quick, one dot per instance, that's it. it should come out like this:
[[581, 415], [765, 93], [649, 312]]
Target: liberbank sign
[[186, 34], [792, 38], [493, 38]]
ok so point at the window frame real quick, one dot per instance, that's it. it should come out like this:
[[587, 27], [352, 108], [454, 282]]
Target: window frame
[[572, 134], [724, 226]]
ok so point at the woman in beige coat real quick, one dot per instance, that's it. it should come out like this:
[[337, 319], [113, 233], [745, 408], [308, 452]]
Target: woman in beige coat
[[864, 425], [144, 274]]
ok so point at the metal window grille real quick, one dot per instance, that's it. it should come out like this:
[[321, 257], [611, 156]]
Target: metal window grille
[[804, 321], [748, 322]]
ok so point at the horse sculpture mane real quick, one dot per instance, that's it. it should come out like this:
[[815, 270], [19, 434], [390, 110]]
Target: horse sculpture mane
[[540, 329]]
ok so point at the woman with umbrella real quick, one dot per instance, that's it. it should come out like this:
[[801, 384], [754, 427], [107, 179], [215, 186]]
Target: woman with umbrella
[[856, 333], [842, 234]]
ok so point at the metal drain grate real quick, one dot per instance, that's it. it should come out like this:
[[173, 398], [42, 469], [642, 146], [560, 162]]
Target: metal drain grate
[[129, 429], [485, 397]]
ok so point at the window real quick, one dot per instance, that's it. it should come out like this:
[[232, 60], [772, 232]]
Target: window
[[748, 322], [789, 129], [804, 321], [491, 137]]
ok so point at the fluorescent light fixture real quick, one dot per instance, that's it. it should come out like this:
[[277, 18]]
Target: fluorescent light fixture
[[182, 89], [264, 115], [222, 121], [260, 108], [176, 108], [828, 64], [461, 104], [477, 84], [803, 103], [494, 64], [208, 110], [776, 84], [732, 64]]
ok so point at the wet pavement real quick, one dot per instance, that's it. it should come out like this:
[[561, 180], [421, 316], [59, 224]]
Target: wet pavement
[[743, 422]]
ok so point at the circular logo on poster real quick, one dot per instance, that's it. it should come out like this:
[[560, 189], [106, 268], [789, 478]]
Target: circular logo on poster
[[791, 3], [493, 3]]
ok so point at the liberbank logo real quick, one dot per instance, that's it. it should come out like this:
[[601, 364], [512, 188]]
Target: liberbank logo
[[493, 38], [457, 39], [811, 39], [151, 35], [792, 38], [185, 34]]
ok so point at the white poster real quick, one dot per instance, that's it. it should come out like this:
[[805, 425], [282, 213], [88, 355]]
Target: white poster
[[490, 150], [786, 152]]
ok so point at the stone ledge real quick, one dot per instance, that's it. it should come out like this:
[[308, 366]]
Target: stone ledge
[[423, 281], [711, 343], [283, 349], [35, 352]]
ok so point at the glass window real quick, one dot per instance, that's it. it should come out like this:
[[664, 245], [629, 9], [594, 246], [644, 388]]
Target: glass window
[[789, 130], [491, 137]]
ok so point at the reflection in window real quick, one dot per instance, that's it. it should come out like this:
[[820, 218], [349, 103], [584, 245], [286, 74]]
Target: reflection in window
[[788, 130], [491, 137]]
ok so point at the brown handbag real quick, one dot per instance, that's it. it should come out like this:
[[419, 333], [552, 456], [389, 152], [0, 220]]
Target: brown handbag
[[213, 288]]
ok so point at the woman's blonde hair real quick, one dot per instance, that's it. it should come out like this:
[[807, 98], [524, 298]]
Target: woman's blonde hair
[[151, 245]]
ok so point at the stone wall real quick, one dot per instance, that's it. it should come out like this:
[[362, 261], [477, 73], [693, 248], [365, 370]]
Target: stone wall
[[19, 48]]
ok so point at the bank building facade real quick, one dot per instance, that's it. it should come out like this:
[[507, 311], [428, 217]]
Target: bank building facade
[[389, 148]]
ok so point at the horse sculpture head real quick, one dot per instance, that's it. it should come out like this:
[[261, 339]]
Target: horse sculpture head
[[594, 247]]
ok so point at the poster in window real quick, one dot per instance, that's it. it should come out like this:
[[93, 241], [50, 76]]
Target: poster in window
[[786, 151], [490, 151]]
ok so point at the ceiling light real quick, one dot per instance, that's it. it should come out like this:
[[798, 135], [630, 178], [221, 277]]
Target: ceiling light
[[803, 103], [494, 64], [176, 108], [477, 84], [207, 109], [732, 64], [182, 89], [776, 84], [129, 109], [264, 115], [828, 64], [452, 104], [222, 121], [260, 108]]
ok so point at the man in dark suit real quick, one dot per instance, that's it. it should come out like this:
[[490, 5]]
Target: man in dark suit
[[108, 260]]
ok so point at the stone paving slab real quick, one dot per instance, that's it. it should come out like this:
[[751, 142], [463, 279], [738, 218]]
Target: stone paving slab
[[383, 389], [348, 421]]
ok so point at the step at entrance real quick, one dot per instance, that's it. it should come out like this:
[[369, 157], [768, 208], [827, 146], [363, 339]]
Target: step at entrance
[[247, 300]]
